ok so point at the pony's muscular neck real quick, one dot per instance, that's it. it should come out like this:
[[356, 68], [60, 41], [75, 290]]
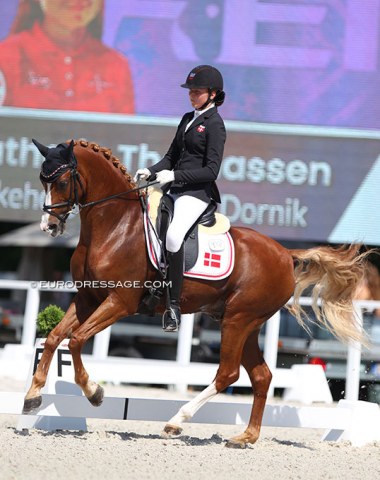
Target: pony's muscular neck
[[102, 179]]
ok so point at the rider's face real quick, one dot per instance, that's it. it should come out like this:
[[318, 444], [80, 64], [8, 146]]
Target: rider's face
[[199, 96]]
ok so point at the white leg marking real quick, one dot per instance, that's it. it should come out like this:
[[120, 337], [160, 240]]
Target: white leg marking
[[189, 409], [45, 216]]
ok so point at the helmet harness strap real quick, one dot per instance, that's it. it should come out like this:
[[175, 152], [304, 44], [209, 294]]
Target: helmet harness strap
[[208, 101]]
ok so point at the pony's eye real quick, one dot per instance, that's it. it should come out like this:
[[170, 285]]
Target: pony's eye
[[62, 184]]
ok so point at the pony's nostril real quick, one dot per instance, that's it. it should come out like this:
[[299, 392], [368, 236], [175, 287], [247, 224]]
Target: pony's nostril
[[53, 229]]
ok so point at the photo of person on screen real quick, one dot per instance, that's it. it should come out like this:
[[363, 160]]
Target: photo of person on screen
[[53, 58]]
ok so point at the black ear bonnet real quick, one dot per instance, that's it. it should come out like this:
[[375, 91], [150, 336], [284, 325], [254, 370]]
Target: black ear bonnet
[[58, 160]]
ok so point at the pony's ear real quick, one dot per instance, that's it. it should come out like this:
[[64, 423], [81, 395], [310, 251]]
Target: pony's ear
[[42, 148], [70, 153], [66, 150], [71, 146]]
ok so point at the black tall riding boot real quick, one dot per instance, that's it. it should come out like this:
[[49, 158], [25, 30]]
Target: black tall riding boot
[[151, 299], [172, 316]]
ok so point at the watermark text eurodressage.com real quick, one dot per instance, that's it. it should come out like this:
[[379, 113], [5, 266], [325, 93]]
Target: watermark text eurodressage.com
[[78, 284]]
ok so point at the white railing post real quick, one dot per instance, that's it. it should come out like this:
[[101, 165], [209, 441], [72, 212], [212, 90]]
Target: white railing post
[[185, 340], [101, 344], [353, 363], [30, 316], [271, 345]]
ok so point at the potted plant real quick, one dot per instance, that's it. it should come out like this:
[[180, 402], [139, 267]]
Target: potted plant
[[49, 318]]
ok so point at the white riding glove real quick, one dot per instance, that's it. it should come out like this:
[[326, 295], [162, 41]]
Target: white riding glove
[[165, 176], [141, 174]]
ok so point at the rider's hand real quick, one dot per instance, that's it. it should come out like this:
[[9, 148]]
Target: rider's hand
[[141, 174], [165, 176]]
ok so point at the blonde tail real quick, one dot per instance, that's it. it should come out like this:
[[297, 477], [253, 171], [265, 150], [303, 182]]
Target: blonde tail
[[334, 274]]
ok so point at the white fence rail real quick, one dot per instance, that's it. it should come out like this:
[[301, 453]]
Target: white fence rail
[[185, 335]]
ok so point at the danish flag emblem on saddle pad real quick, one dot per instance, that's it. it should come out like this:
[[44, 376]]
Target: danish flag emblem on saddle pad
[[216, 252], [212, 260], [215, 258]]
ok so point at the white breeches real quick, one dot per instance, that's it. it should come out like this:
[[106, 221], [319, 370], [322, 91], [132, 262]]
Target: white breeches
[[187, 209]]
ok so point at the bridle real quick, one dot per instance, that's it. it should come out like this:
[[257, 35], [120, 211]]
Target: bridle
[[69, 203], [72, 203]]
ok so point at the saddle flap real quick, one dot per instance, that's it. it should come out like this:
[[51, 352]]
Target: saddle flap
[[165, 213]]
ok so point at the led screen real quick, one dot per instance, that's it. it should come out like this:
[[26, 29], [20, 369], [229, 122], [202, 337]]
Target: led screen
[[301, 79], [300, 62]]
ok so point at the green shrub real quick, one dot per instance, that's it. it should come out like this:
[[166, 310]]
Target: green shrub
[[48, 319]]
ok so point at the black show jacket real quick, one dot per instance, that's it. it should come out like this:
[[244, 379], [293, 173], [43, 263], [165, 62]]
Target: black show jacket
[[196, 156]]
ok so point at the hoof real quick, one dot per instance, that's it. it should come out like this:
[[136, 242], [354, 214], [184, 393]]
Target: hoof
[[235, 444], [97, 399], [171, 431], [242, 441], [31, 404]]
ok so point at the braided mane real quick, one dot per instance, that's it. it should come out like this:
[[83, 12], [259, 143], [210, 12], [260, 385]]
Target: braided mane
[[107, 154]]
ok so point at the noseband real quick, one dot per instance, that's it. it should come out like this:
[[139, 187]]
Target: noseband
[[70, 203]]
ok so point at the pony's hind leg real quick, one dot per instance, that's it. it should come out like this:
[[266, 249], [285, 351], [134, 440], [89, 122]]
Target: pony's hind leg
[[260, 376], [68, 323], [106, 314], [233, 339], [187, 411]]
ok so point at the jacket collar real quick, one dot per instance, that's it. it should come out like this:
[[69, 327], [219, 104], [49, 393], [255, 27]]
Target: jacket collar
[[203, 116]]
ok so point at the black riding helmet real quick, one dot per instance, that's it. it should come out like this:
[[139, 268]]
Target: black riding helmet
[[206, 76]]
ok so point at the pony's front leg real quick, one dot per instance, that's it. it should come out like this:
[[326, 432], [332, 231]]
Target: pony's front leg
[[68, 323], [105, 315]]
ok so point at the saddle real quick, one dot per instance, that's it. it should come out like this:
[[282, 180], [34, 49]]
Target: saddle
[[161, 210], [191, 248]]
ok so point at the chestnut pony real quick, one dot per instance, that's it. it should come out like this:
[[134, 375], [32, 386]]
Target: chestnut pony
[[112, 248]]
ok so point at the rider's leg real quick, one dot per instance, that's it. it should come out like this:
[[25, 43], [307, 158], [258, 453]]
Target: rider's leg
[[153, 296], [187, 210], [172, 316]]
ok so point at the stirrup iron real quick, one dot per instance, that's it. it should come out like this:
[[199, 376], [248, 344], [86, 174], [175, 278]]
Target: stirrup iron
[[170, 319]]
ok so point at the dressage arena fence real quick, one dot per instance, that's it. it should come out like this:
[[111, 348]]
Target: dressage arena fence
[[64, 407], [356, 422]]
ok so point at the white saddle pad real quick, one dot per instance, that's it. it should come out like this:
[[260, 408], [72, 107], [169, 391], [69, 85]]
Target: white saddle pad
[[216, 253]]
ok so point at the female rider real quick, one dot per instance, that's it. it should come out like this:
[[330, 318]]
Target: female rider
[[188, 172]]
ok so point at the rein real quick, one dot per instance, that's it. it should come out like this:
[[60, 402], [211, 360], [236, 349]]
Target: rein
[[137, 189], [74, 180]]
